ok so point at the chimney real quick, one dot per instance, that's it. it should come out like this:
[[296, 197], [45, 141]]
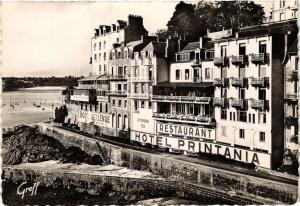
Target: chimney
[[201, 42]]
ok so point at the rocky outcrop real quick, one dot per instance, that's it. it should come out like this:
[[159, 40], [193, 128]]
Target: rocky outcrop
[[26, 144]]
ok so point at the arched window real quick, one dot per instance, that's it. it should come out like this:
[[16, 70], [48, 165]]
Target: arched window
[[113, 120], [106, 108], [119, 121], [100, 107], [125, 122]]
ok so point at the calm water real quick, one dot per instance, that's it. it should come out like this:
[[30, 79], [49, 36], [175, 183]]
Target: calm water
[[30, 105]]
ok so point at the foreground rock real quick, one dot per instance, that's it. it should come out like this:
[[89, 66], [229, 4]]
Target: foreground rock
[[26, 144]]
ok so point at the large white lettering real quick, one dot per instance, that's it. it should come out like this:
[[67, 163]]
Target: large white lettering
[[184, 130]]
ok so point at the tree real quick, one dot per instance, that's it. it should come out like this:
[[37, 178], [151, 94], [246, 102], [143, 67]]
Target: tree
[[194, 20]]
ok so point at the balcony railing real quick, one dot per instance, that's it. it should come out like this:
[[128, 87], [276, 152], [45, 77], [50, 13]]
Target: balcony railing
[[219, 102], [221, 61], [102, 98], [260, 58], [292, 75], [259, 104], [259, 81], [238, 82], [240, 103], [92, 86], [117, 93], [141, 79], [164, 98], [221, 82], [205, 120], [139, 95], [196, 63], [292, 96], [239, 60]]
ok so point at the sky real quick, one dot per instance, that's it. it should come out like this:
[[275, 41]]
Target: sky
[[53, 38]]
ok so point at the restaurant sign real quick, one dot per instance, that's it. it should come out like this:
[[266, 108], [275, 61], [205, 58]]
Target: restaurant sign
[[186, 130]]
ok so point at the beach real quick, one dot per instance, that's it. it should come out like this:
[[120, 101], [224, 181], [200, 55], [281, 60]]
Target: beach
[[30, 105]]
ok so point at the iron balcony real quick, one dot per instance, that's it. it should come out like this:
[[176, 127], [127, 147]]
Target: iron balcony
[[165, 98], [219, 101], [238, 82], [117, 93], [259, 81], [221, 82], [221, 61], [188, 118], [259, 104], [239, 60], [260, 58], [239, 103]]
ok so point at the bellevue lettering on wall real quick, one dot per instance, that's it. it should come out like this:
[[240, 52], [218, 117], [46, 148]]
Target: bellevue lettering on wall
[[185, 130], [98, 119]]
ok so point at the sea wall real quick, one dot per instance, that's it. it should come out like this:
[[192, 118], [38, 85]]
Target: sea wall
[[167, 166]]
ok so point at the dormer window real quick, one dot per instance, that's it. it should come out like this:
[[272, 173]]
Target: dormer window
[[183, 57], [136, 55]]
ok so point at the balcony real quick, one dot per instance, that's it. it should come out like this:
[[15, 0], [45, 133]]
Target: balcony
[[117, 93], [203, 120], [83, 98], [239, 60], [196, 63], [260, 58], [164, 98], [102, 98], [141, 79], [291, 121], [259, 104], [221, 61], [259, 81], [139, 96], [221, 82], [219, 102], [238, 82], [292, 76], [239, 103], [292, 98]]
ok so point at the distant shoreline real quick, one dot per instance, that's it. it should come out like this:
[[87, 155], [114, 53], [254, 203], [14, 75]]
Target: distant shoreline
[[40, 88]]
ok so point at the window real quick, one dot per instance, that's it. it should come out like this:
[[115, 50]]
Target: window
[[249, 119], [187, 74], [207, 73], [142, 104], [223, 130], [136, 105], [99, 69], [262, 47], [150, 105], [104, 56], [223, 113], [113, 102], [242, 133], [262, 94], [119, 87], [104, 44], [253, 118], [125, 103], [282, 3], [95, 57], [106, 108], [223, 51], [136, 88], [100, 107], [143, 88], [105, 68], [242, 116], [281, 17], [177, 74], [95, 46], [230, 117], [233, 116], [183, 57], [117, 40], [262, 118], [125, 87], [262, 137], [119, 103], [224, 92], [242, 93], [99, 45], [99, 56], [125, 54]]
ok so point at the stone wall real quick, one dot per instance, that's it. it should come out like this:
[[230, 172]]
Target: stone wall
[[167, 166]]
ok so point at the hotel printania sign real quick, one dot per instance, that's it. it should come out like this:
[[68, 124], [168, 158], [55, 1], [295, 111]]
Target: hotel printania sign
[[98, 119], [197, 146]]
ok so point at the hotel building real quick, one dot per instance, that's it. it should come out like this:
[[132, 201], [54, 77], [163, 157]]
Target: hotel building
[[228, 94]]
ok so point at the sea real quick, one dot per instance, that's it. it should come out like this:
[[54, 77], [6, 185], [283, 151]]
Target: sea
[[30, 105]]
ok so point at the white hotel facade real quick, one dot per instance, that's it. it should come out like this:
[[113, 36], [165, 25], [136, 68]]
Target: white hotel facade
[[228, 94]]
